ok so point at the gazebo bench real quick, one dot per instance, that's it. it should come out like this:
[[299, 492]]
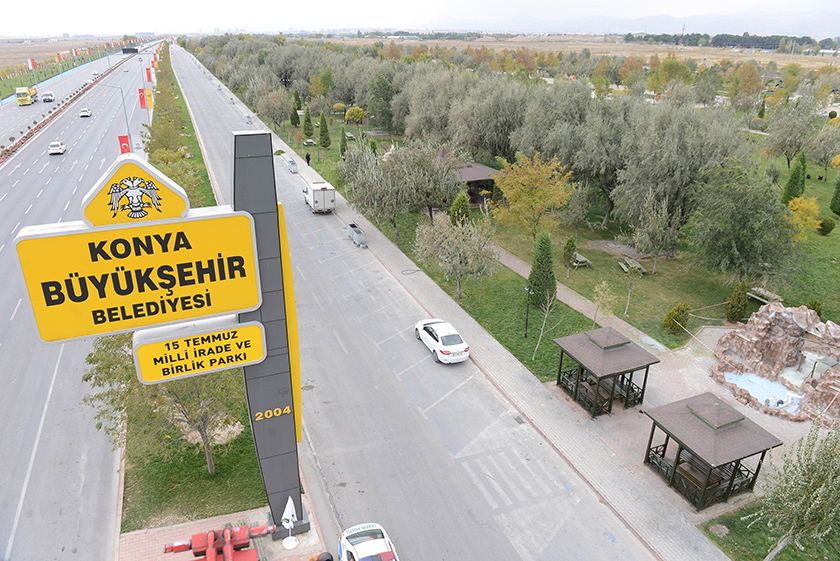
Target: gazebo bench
[[627, 262], [581, 261], [763, 295]]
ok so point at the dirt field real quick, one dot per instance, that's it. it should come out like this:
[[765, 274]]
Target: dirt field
[[614, 45], [14, 51]]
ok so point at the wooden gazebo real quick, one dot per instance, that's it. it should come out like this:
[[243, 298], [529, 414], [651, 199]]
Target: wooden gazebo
[[718, 453], [605, 363]]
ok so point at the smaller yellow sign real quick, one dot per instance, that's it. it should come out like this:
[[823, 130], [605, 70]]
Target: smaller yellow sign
[[195, 352], [133, 192]]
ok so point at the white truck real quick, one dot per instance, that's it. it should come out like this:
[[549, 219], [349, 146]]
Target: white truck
[[320, 196]]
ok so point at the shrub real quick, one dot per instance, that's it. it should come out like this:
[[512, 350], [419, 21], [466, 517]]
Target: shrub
[[676, 317], [832, 114], [737, 303], [757, 124], [773, 173], [460, 210], [834, 205], [827, 224], [815, 305]]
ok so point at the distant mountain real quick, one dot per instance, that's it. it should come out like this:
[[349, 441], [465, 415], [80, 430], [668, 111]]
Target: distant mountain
[[816, 24]]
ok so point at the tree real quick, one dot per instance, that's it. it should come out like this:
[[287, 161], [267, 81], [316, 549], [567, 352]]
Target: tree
[[381, 95], [294, 118], [737, 303], [804, 491], [739, 225], [795, 180], [541, 279], [574, 213], [324, 139], [342, 144], [789, 128], [676, 319], [533, 190], [430, 174], [598, 155], [460, 250], [460, 209], [546, 307], [308, 129], [668, 149], [200, 403], [374, 187], [604, 300], [630, 277], [298, 103], [275, 107], [656, 229], [834, 205], [824, 147], [569, 251], [355, 115]]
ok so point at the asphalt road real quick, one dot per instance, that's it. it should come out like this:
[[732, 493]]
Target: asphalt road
[[15, 118], [59, 486], [432, 452]]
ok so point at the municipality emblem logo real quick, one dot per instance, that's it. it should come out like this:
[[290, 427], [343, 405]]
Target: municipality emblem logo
[[135, 191]]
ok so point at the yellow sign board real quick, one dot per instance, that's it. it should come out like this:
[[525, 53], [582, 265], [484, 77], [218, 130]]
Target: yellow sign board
[[133, 192], [179, 351], [84, 281]]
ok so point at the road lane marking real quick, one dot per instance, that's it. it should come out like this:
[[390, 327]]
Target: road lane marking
[[74, 189], [81, 176], [48, 180], [38, 195], [8, 553], [27, 210], [86, 166], [340, 342], [447, 394], [16, 182], [16, 309], [44, 167], [14, 169], [16, 227], [3, 197], [66, 205], [1, 247], [27, 171]]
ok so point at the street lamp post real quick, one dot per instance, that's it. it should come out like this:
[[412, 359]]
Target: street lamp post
[[143, 83], [527, 307], [125, 113]]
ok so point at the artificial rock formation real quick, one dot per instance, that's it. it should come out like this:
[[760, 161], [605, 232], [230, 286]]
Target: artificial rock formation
[[772, 339]]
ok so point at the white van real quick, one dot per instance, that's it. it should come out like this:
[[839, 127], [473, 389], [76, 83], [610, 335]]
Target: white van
[[320, 196]]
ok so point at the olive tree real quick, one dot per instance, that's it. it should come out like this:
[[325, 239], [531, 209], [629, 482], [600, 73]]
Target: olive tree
[[460, 250]]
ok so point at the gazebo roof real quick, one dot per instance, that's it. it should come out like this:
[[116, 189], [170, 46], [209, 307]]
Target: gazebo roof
[[712, 430], [605, 352], [473, 171]]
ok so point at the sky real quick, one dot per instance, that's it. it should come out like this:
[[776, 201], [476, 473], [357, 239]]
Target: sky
[[98, 17]]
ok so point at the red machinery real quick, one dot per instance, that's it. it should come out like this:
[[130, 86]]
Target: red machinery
[[230, 544]]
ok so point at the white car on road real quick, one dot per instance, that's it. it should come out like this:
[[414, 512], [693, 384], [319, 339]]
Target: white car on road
[[56, 148], [366, 542], [442, 339]]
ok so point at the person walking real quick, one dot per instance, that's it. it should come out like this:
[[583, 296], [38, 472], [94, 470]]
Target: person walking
[[307, 158]]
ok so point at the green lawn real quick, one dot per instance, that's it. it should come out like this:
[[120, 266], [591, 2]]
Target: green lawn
[[753, 544], [177, 489], [174, 486]]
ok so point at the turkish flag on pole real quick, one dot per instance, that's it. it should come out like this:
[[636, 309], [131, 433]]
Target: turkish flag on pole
[[148, 75], [125, 147], [142, 98]]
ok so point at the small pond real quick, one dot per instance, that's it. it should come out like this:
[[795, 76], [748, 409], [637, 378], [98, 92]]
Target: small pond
[[766, 391]]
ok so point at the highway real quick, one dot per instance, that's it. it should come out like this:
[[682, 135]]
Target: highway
[[434, 453], [59, 488]]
